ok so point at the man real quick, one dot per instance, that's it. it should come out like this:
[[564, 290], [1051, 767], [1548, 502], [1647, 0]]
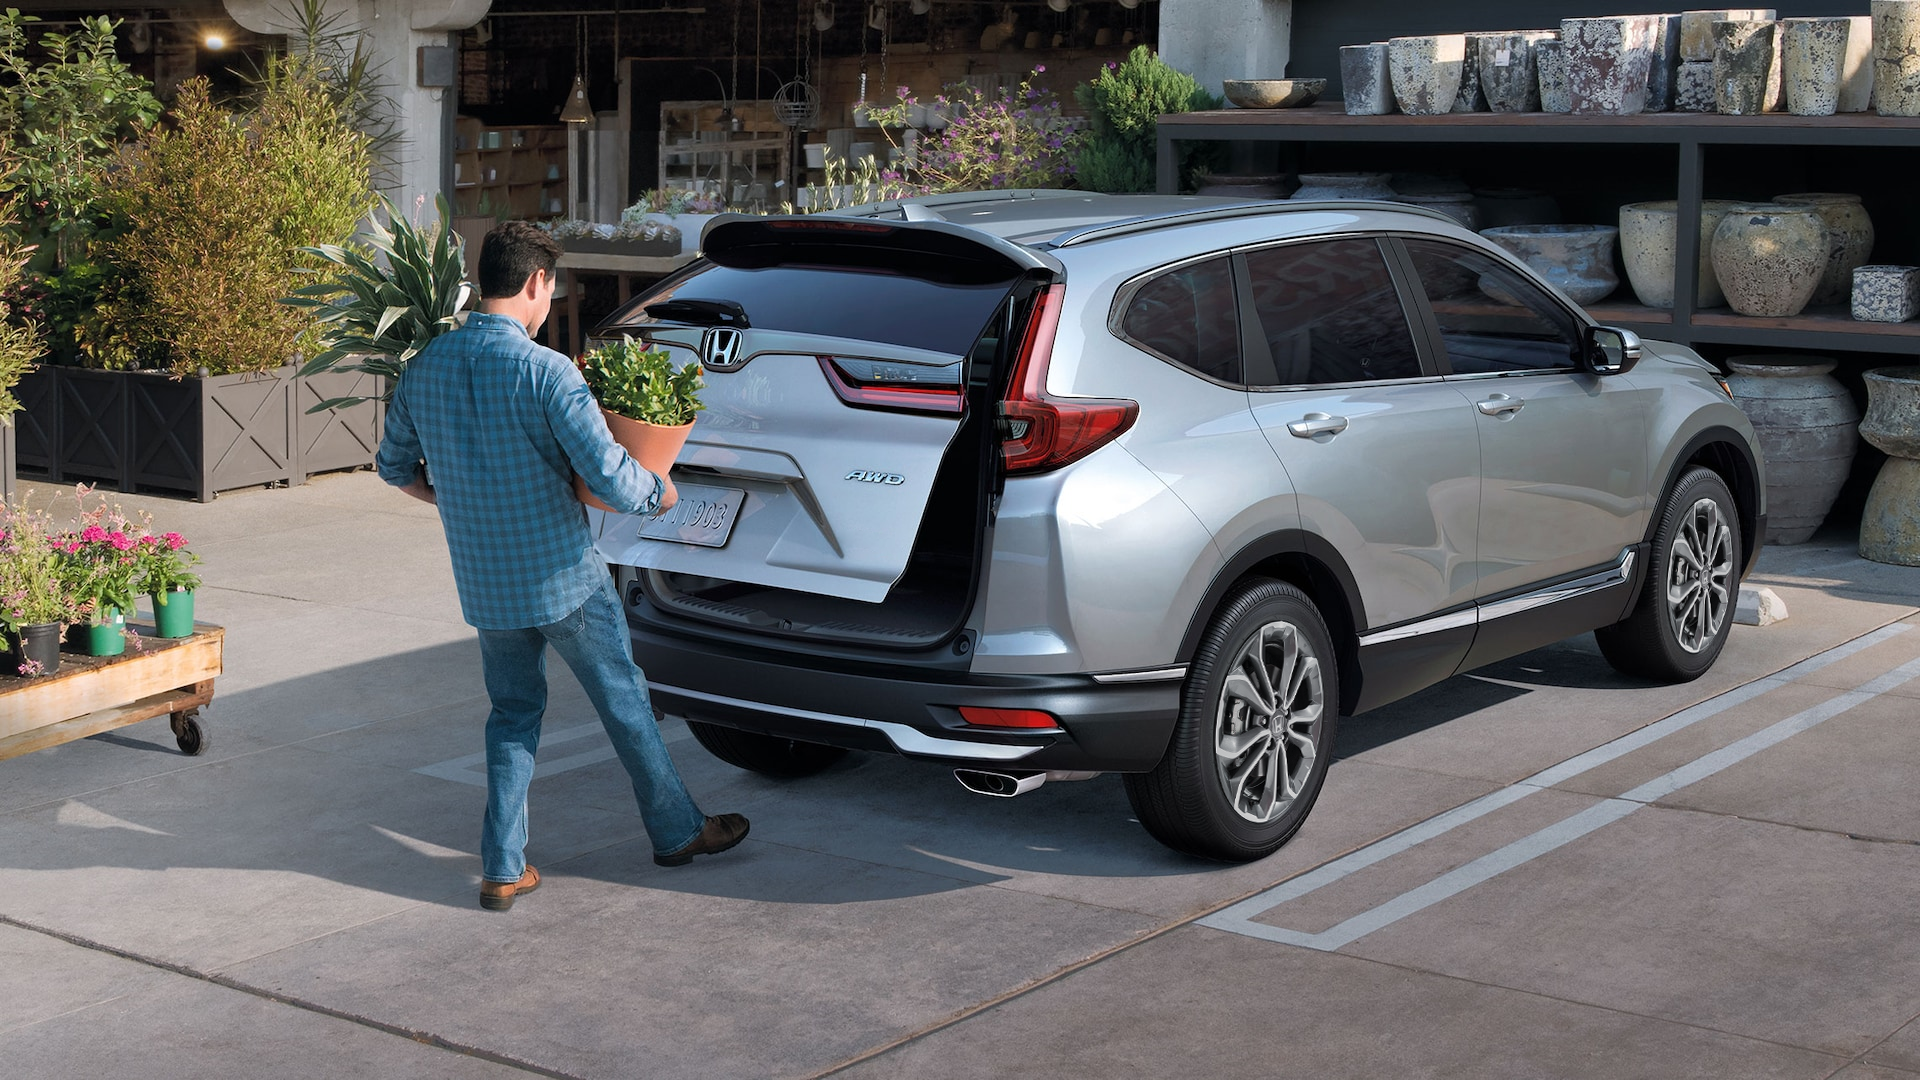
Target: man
[[502, 424]]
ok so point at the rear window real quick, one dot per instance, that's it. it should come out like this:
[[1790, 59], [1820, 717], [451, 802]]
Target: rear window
[[872, 305]]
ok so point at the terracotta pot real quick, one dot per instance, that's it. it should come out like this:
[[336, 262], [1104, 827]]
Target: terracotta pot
[[1648, 233], [654, 446], [1890, 525], [1807, 425], [1849, 240], [1769, 257]]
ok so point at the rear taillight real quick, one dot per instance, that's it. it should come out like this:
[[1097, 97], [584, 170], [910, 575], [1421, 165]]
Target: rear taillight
[[878, 384], [1045, 432]]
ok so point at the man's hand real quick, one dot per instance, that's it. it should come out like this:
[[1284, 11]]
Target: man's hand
[[668, 496], [418, 487]]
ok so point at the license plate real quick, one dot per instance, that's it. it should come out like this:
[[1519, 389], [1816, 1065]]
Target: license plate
[[703, 515]]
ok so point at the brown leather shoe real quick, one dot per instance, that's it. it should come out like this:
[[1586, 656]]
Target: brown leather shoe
[[498, 895], [721, 832]]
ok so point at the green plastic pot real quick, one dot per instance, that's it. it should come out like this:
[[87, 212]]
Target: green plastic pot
[[173, 614]]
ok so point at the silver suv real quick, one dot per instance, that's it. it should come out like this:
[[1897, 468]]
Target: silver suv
[[1041, 485]]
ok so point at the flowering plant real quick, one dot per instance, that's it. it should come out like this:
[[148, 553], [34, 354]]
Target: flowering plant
[[1014, 138], [167, 565], [100, 559], [32, 587]]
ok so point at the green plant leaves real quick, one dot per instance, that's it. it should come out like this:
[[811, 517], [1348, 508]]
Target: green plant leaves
[[642, 384]]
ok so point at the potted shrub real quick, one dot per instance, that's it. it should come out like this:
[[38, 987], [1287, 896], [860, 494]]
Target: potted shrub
[[103, 567], [19, 344], [648, 403], [35, 604], [166, 574]]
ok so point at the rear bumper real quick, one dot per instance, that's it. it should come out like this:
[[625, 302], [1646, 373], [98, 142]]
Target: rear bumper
[[1104, 727]]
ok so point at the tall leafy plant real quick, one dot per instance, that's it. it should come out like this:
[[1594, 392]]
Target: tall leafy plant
[[374, 314], [19, 334], [329, 49], [1011, 138], [642, 384], [1124, 103]]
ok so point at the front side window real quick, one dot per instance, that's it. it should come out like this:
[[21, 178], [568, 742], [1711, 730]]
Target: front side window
[[1493, 319], [1189, 316], [1330, 313]]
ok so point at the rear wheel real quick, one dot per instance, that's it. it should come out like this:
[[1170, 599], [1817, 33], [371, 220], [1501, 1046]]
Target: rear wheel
[[1255, 734], [1686, 607], [766, 754]]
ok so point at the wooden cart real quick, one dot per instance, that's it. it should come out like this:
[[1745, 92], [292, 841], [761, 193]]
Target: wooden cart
[[92, 694]]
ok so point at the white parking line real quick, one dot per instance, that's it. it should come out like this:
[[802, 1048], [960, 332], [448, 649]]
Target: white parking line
[[462, 770], [1239, 918]]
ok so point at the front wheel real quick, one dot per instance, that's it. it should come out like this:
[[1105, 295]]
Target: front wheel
[[1255, 734], [1685, 610], [765, 754]]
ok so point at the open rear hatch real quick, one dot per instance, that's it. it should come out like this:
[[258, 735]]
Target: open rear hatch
[[846, 448]]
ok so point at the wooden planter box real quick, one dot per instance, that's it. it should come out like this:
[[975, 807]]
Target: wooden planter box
[[595, 246], [198, 436], [92, 694]]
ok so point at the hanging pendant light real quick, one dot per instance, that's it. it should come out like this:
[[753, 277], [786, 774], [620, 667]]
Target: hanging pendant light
[[578, 110]]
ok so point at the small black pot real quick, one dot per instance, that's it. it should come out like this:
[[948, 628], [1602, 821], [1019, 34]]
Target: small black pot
[[35, 647]]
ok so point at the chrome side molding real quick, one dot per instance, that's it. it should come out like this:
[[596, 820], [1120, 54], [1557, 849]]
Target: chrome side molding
[[1618, 574]]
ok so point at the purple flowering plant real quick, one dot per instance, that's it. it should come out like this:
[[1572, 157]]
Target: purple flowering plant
[[33, 588], [1010, 138]]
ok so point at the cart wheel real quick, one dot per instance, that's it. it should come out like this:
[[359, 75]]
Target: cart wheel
[[189, 734]]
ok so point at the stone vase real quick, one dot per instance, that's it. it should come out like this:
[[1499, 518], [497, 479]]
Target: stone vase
[[1896, 57], [1695, 90], [1317, 187], [1808, 430], [1648, 234], [1743, 72], [1769, 258], [1813, 55], [1856, 71], [1890, 524], [1663, 74], [1576, 258], [1365, 83], [1426, 72], [1550, 63], [1471, 98], [1849, 240], [1696, 28], [1508, 76], [1608, 59]]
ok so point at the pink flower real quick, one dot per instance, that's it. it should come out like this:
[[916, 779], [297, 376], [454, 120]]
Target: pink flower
[[120, 541], [93, 533], [175, 541]]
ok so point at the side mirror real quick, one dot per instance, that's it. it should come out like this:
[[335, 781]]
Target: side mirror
[[1611, 350]]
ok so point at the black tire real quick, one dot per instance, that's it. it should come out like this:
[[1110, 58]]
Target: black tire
[[1227, 806], [765, 754], [1685, 609], [189, 734]]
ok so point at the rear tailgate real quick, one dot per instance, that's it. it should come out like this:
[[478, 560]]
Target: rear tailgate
[[838, 357]]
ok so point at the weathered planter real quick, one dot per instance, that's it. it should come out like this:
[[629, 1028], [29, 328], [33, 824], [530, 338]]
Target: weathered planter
[[1550, 64], [593, 245], [1769, 258], [1576, 258], [1890, 524], [1648, 234], [1509, 78], [1471, 98], [1886, 293], [1813, 53], [1743, 67], [1663, 71], [1696, 28], [1808, 430], [1896, 57], [1608, 59], [1426, 72], [1342, 185], [1694, 92], [1856, 71], [1366, 82], [1849, 240]]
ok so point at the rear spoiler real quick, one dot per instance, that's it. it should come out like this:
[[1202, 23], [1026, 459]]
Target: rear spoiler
[[932, 249]]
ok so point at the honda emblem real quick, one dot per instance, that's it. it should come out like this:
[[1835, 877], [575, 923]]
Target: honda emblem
[[721, 349]]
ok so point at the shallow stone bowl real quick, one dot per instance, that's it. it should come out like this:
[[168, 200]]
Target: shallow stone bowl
[[1274, 93]]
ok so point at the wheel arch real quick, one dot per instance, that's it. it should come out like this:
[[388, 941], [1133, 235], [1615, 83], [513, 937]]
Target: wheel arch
[[1724, 452], [1308, 563]]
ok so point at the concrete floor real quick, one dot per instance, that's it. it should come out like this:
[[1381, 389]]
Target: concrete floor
[[1709, 880]]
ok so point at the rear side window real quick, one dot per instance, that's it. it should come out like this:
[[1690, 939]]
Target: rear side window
[[1189, 316], [868, 304], [1330, 313], [1492, 319]]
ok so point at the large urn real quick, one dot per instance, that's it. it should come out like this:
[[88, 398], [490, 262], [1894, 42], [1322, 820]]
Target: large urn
[[1807, 424], [1849, 240], [1649, 234], [1890, 525], [1769, 257], [1577, 258]]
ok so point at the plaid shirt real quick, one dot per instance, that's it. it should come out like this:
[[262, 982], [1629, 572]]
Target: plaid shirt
[[503, 424]]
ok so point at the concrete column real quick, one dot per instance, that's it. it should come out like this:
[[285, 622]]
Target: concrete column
[[1214, 40], [395, 30]]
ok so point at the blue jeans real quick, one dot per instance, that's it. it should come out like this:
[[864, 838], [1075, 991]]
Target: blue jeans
[[593, 642]]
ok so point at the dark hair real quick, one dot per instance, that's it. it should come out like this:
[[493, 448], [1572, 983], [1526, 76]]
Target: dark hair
[[510, 254]]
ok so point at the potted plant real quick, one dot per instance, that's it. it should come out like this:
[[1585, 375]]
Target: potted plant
[[166, 574], [648, 402], [103, 568], [35, 604]]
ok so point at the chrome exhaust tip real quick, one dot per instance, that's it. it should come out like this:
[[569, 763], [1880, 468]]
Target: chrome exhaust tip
[[1003, 785]]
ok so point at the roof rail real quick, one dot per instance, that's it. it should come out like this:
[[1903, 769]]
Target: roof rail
[[1263, 208], [917, 207]]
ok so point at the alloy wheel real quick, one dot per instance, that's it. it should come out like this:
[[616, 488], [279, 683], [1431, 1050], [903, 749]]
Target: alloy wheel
[[1700, 576], [1271, 705]]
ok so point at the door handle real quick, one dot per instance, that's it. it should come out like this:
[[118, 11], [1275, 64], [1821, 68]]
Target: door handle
[[1317, 423], [1499, 405]]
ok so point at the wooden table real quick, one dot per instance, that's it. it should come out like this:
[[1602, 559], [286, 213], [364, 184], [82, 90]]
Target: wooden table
[[624, 268], [92, 694]]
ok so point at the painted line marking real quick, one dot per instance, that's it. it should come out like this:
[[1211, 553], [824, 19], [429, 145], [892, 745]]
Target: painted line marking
[[471, 769], [1239, 918]]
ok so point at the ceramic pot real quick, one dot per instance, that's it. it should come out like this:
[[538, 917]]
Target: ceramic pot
[[1458, 205], [1696, 28], [1608, 59], [33, 650], [1769, 257], [1890, 524], [1576, 258], [1694, 92], [1849, 240], [1648, 233], [1886, 293], [1342, 185], [1550, 64], [1426, 72], [1470, 99], [1663, 71], [1856, 69], [654, 446], [173, 613], [1896, 57], [1808, 430], [1366, 86], [1509, 78], [1813, 54], [1743, 71], [1515, 206]]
